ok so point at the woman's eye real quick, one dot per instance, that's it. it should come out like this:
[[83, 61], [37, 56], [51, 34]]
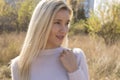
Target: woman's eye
[[67, 23], [56, 22]]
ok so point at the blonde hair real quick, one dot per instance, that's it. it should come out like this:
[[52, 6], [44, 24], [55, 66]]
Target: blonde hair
[[38, 32]]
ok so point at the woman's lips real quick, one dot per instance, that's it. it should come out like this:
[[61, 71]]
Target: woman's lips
[[60, 37]]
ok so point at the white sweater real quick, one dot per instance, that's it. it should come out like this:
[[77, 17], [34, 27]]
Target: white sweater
[[48, 66]]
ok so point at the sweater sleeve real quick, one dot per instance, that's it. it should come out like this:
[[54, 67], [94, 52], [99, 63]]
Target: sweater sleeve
[[14, 69], [82, 72]]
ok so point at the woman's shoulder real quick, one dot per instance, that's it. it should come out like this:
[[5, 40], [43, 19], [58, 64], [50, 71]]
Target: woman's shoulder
[[80, 55], [14, 62], [78, 51], [14, 68]]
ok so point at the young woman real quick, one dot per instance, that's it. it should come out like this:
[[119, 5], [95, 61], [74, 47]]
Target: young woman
[[43, 55]]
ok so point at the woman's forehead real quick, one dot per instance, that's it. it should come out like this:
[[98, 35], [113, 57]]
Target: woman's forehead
[[62, 14]]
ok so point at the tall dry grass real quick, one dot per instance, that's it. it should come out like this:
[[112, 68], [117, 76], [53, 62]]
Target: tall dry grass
[[10, 46], [103, 61]]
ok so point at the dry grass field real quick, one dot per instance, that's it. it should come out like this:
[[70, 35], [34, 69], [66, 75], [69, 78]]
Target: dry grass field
[[103, 61]]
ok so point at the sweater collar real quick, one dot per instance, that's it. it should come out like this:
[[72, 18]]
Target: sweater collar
[[52, 51]]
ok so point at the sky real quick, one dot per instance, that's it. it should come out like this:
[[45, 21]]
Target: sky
[[103, 6], [99, 2]]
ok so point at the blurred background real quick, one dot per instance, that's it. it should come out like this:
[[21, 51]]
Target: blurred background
[[95, 28]]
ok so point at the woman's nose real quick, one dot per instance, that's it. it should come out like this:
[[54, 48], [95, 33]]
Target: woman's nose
[[64, 29]]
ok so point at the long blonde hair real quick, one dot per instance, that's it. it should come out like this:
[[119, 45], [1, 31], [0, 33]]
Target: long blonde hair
[[38, 32]]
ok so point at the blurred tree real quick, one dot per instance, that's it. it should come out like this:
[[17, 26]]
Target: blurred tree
[[78, 9], [16, 18], [107, 25], [24, 14], [7, 17]]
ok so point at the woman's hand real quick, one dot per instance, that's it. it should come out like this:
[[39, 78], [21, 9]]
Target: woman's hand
[[69, 61]]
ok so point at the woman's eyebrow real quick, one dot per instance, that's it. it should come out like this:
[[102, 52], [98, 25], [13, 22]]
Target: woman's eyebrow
[[57, 20], [61, 20]]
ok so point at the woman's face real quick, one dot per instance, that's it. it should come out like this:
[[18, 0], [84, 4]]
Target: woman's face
[[59, 29]]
